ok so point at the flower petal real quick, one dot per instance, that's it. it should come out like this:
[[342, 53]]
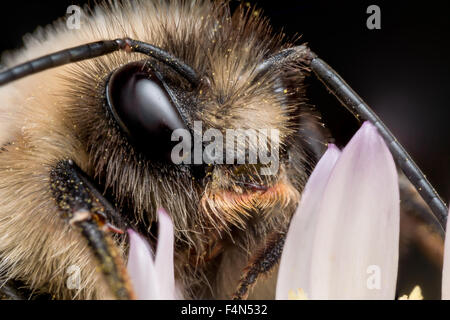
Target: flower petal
[[141, 268], [292, 274], [354, 244], [153, 279], [446, 267], [164, 256], [355, 247]]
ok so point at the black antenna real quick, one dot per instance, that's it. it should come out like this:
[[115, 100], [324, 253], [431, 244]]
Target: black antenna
[[94, 50], [352, 102], [323, 71], [163, 56], [83, 52], [349, 99]]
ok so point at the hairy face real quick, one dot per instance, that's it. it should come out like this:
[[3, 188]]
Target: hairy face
[[205, 200]]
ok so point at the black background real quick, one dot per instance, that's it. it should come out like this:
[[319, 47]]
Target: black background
[[402, 70]]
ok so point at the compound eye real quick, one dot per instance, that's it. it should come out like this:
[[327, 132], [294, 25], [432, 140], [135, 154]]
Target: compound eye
[[143, 109]]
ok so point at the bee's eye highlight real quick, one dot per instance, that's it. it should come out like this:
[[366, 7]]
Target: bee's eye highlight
[[143, 109]]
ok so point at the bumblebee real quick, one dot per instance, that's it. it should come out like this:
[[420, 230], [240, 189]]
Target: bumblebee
[[86, 122]]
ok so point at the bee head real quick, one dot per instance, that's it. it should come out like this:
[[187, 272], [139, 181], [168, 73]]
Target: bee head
[[203, 133]]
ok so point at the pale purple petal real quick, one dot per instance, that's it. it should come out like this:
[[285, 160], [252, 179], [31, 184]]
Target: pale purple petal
[[446, 267], [354, 248], [164, 255], [141, 268], [356, 245], [293, 271], [153, 278]]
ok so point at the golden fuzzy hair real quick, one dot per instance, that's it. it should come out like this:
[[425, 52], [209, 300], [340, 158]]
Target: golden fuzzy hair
[[60, 114]]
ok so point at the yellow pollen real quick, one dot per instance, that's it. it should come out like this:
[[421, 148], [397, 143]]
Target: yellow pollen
[[299, 295], [416, 294]]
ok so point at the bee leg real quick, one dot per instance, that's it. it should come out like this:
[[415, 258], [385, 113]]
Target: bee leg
[[10, 291], [84, 209], [421, 245], [262, 263], [16, 290]]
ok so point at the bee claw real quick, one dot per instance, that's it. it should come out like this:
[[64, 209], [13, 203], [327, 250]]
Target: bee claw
[[79, 216], [111, 228]]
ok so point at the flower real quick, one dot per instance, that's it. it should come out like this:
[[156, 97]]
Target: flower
[[343, 240], [153, 278]]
